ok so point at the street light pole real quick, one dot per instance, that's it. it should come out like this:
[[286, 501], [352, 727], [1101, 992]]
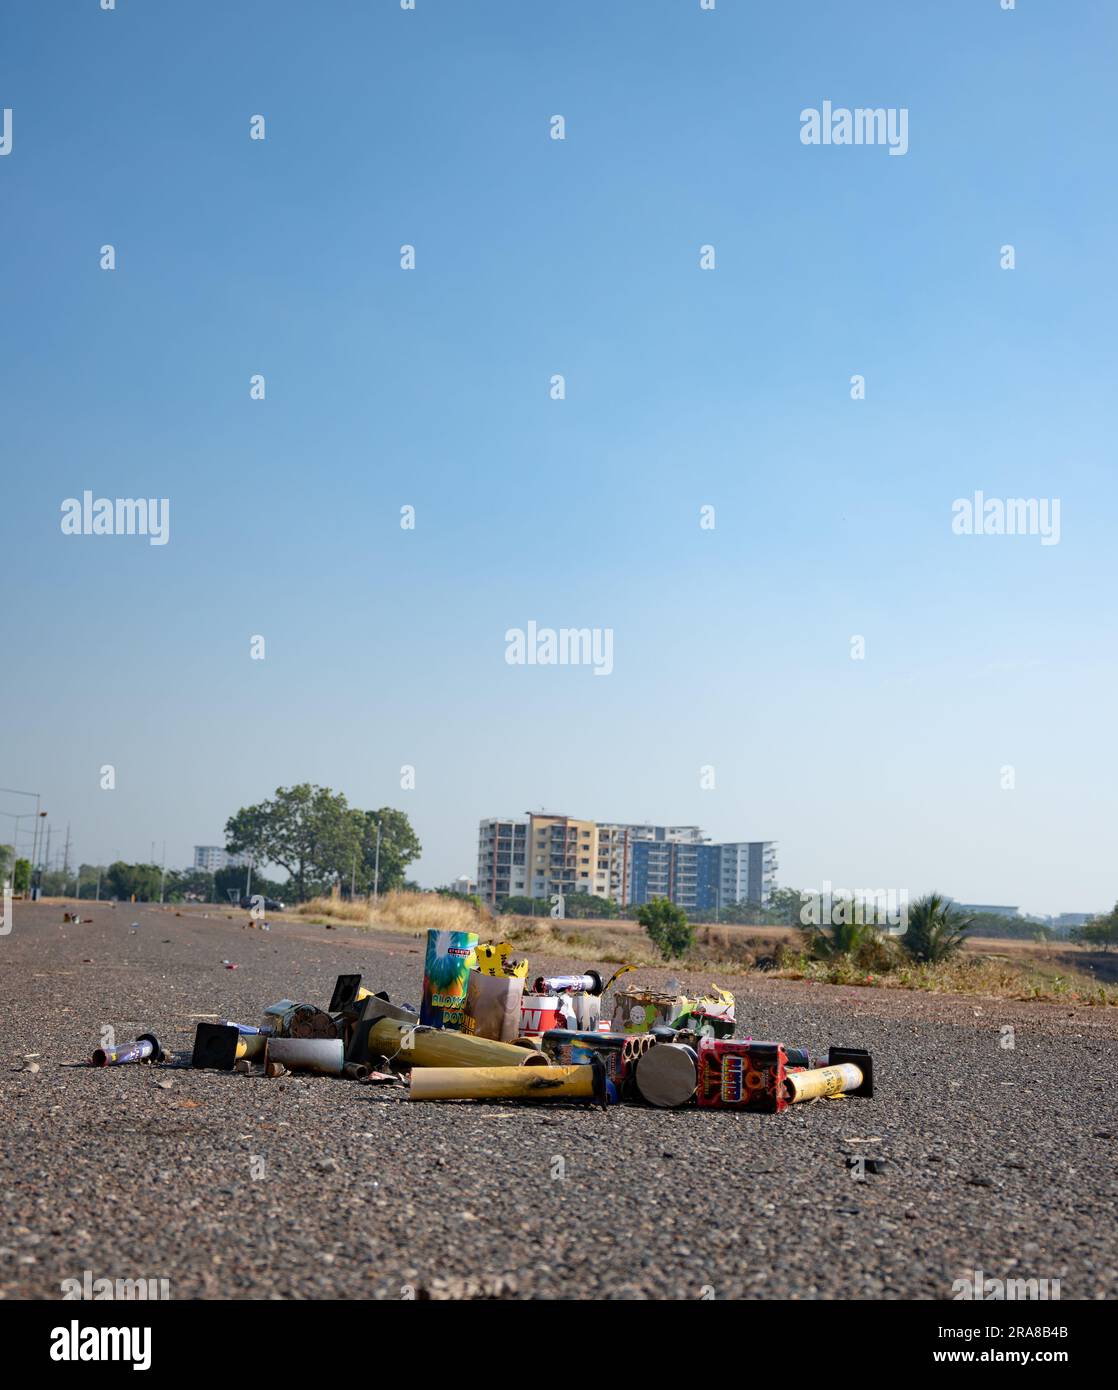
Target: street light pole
[[16, 791]]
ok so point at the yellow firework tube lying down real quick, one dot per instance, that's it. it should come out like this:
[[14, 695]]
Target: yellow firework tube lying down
[[822, 1083], [577, 1083], [412, 1045]]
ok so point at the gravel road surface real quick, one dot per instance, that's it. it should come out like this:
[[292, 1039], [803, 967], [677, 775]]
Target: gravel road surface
[[996, 1158]]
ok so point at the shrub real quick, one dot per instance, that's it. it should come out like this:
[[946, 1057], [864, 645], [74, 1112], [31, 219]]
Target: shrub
[[667, 927], [936, 930]]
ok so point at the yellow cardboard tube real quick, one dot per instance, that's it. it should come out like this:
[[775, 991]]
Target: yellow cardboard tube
[[251, 1046], [822, 1082], [412, 1045], [505, 1083]]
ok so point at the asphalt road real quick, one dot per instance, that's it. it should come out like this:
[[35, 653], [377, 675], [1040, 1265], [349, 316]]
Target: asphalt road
[[996, 1158]]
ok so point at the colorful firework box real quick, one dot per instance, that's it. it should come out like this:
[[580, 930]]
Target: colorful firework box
[[446, 976], [539, 1013], [619, 1052], [744, 1075], [637, 1010]]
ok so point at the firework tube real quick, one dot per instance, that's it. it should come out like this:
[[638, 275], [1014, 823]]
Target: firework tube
[[411, 1045], [822, 1082], [251, 1047], [243, 1027], [667, 1074], [324, 1055], [585, 1083], [142, 1049], [590, 983]]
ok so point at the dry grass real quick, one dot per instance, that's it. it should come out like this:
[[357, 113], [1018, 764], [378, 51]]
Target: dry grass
[[1061, 976], [402, 911], [994, 977]]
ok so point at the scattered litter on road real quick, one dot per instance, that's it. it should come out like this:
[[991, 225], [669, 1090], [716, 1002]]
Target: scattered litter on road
[[145, 1048], [479, 1035]]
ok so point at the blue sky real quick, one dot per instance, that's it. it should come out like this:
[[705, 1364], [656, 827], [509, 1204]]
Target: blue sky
[[430, 388]]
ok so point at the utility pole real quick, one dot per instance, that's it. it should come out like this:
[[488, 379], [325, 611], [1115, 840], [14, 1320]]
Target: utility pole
[[66, 853], [376, 869], [163, 873], [98, 883]]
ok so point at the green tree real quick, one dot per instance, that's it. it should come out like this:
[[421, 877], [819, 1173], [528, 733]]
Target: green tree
[[229, 885], [125, 880], [784, 907], [399, 845], [936, 929], [667, 927], [310, 831], [1100, 932], [21, 876]]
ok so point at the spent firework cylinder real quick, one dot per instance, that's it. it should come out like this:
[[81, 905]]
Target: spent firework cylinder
[[142, 1049], [821, 1083], [251, 1047], [323, 1055], [585, 1083], [570, 1047], [667, 1074], [446, 977], [411, 1045], [589, 983], [290, 1020], [223, 1045]]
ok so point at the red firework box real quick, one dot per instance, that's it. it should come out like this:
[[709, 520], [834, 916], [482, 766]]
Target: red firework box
[[742, 1075]]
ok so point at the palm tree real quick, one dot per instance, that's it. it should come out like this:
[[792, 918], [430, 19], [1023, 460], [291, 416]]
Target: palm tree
[[936, 929]]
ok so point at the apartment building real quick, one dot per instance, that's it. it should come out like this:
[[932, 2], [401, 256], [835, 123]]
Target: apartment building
[[544, 853], [747, 872], [563, 857], [211, 858], [502, 858], [684, 871]]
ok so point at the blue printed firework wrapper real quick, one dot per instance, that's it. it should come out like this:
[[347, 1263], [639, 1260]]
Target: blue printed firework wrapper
[[446, 977]]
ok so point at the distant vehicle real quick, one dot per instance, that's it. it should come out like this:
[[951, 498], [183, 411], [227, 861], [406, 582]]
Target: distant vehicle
[[267, 904]]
